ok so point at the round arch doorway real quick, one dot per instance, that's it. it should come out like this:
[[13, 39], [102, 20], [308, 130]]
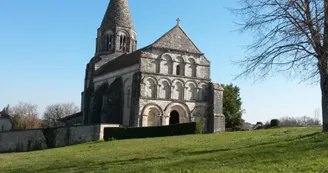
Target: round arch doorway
[[174, 117]]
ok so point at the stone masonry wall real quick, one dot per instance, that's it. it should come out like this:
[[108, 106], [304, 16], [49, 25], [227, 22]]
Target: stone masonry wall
[[156, 61], [29, 140], [127, 77], [5, 124], [216, 121]]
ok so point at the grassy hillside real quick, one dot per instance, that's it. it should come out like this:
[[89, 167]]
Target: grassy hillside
[[278, 150]]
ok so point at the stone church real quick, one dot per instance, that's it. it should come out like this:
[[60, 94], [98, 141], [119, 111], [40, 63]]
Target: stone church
[[166, 82]]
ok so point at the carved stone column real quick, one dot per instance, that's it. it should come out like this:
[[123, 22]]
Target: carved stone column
[[165, 120], [144, 121]]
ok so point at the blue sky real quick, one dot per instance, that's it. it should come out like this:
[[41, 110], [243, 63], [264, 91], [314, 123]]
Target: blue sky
[[45, 46]]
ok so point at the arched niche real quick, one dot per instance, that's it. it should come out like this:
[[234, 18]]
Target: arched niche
[[178, 90], [191, 93], [98, 103], [151, 115], [127, 92], [150, 88], [180, 67], [192, 67], [166, 64], [165, 89], [180, 108], [113, 108]]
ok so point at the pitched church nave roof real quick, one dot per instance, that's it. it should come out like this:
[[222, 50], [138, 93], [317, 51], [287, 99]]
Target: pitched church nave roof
[[176, 39]]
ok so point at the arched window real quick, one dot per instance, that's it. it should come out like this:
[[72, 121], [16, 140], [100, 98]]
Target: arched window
[[110, 42], [150, 90], [158, 65], [193, 70], [178, 70], [153, 118], [168, 65], [193, 67], [192, 91], [104, 43], [124, 42], [178, 91], [165, 90]]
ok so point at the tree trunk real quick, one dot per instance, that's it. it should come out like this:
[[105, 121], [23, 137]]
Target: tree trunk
[[323, 68], [324, 95]]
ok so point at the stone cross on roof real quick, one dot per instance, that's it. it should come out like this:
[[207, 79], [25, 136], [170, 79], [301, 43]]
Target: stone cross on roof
[[178, 21]]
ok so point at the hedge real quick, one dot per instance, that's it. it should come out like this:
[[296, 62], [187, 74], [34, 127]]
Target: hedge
[[274, 123], [148, 132]]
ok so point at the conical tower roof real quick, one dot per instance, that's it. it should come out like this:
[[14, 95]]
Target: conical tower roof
[[117, 14]]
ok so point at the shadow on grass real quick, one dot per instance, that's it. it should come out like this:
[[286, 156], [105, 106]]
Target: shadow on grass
[[222, 150], [287, 152], [262, 153], [264, 144], [83, 166], [309, 135], [135, 160]]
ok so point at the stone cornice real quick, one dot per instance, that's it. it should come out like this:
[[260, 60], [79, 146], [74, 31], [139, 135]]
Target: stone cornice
[[173, 100], [177, 76], [145, 57]]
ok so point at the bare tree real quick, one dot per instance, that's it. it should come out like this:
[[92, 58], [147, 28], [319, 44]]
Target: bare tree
[[289, 36], [317, 115], [25, 116], [299, 121], [57, 111]]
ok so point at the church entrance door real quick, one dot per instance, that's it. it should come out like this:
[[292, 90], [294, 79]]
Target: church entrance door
[[174, 117]]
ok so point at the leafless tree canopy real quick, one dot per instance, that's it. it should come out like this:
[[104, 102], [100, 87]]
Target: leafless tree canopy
[[25, 116], [288, 37], [299, 121], [54, 112]]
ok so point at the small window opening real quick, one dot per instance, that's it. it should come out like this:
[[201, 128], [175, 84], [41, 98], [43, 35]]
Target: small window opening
[[178, 70], [110, 41], [121, 42], [123, 45]]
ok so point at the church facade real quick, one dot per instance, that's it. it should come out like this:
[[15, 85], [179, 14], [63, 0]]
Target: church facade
[[166, 82]]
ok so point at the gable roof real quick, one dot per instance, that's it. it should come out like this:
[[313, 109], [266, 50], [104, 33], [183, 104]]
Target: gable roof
[[69, 117], [120, 62], [176, 39]]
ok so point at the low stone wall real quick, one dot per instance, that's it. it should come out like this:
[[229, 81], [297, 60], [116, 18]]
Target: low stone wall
[[5, 124], [35, 139]]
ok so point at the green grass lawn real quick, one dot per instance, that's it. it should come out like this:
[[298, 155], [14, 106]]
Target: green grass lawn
[[277, 150]]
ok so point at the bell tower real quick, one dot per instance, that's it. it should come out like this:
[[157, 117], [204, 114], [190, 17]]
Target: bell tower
[[116, 34]]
